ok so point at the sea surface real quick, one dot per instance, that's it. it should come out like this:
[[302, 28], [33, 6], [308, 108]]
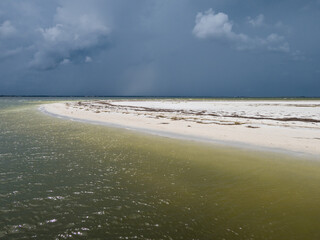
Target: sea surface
[[61, 179]]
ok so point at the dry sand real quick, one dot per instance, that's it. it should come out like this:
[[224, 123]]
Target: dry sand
[[292, 126]]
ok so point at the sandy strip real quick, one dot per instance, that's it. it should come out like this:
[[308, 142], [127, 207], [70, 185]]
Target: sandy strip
[[292, 126]]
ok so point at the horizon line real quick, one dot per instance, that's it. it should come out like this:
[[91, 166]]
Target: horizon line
[[145, 96]]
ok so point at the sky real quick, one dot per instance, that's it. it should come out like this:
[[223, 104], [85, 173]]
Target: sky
[[218, 48]]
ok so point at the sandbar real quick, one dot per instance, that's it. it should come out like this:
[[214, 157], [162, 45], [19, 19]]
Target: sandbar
[[278, 125]]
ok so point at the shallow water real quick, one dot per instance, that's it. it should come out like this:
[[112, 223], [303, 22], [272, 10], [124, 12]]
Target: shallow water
[[66, 180]]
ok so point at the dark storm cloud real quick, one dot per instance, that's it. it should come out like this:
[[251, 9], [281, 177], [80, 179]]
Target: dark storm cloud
[[75, 33], [160, 47]]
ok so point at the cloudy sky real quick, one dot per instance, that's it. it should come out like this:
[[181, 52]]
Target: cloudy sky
[[160, 47]]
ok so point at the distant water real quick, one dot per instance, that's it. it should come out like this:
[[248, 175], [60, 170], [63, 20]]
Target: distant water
[[67, 180]]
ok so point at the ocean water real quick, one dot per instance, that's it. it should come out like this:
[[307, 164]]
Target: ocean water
[[68, 180]]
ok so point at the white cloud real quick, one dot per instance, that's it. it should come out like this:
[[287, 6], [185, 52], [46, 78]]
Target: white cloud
[[75, 32], [211, 25], [256, 22], [65, 61], [298, 56], [7, 29], [217, 26], [88, 59]]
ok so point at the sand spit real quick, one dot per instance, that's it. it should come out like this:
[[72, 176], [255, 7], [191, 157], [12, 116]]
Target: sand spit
[[279, 125]]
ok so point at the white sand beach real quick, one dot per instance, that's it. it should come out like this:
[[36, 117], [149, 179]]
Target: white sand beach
[[292, 125]]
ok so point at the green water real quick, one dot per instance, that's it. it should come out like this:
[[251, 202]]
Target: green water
[[68, 180]]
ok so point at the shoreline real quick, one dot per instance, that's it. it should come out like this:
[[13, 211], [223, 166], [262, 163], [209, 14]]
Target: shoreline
[[300, 138]]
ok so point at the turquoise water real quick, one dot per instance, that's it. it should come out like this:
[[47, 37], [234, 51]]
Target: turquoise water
[[68, 180]]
